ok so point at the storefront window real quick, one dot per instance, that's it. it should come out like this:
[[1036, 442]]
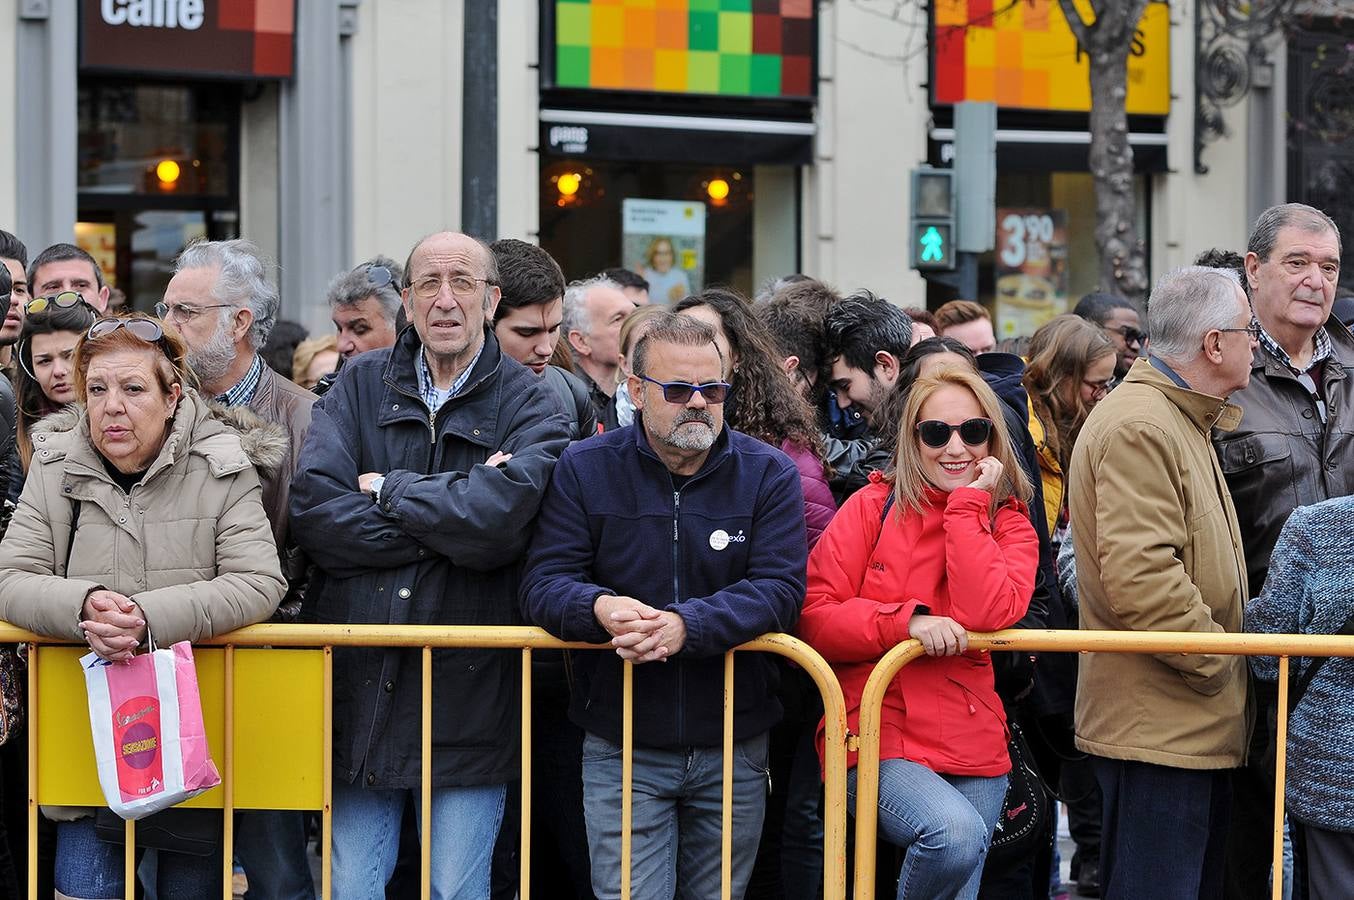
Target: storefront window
[[690, 226]]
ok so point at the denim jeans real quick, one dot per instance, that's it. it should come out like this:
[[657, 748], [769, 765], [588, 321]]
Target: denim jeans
[[271, 847], [1165, 830], [943, 822], [366, 831], [676, 818], [92, 869]]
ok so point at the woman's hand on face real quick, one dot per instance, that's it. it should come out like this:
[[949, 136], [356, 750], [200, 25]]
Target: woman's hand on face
[[113, 625], [939, 635], [990, 471]]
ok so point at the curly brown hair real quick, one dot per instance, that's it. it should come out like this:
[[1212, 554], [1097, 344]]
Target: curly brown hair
[[765, 404]]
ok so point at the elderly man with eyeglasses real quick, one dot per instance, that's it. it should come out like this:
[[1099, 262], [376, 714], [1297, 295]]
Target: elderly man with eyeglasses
[[419, 481], [675, 539]]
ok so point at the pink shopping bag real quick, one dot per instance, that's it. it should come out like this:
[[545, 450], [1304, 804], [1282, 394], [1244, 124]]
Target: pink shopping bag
[[149, 741]]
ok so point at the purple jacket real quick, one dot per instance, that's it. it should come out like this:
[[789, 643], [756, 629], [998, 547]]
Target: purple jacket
[[819, 504]]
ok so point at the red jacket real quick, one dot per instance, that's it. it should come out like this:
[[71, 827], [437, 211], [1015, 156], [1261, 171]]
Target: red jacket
[[864, 585]]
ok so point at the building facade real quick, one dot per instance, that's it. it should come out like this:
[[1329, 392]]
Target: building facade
[[733, 140]]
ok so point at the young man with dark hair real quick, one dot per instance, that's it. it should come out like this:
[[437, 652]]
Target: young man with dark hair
[[1120, 319], [66, 267], [14, 258], [865, 338], [633, 285]]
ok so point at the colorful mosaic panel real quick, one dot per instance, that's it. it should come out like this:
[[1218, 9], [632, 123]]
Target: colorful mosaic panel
[[1024, 56], [750, 48]]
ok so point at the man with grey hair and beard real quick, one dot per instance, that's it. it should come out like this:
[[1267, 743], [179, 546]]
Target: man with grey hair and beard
[[675, 539], [1158, 549], [221, 302]]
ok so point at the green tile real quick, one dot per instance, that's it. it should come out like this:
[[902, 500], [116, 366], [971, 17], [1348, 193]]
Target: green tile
[[702, 72], [573, 25], [572, 67], [735, 33], [735, 73], [703, 5], [704, 31], [765, 74], [735, 6]]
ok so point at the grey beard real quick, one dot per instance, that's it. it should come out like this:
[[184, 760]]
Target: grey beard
[[211, 361], [695, 439]]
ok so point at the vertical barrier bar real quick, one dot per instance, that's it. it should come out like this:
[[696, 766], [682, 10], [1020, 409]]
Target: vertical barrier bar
[[32, 772], [726, 802], [627, 770], [524, 883], [228, 785], [129, 859], [426, 783], [1280, 776], [327, 813]]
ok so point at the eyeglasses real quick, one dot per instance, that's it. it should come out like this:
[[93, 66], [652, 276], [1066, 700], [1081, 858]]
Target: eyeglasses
[[147, 330], [1252, 329], [1099, 388], [183, 312], [462, 286], [714, 392], [63, 300], [1130, 334], [936, 434], [380, 276]]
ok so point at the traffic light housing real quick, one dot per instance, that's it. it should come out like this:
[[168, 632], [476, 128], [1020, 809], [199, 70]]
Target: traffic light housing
[[932, 228]]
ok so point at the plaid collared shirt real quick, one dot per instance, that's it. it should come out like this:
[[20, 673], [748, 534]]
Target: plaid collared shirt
[[244, 389], [1324, 350], [433, 398]]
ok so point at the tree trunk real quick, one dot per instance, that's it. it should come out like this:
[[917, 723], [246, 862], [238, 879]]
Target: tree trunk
[[1123, 258]]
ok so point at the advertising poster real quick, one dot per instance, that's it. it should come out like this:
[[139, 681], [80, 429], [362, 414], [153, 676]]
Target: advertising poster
[[1031, 268], [664, 240]]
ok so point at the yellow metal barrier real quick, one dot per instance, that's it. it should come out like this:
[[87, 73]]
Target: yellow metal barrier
[[1283, 646], [255, 776]]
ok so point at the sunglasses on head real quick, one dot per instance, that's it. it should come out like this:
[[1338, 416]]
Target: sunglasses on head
[[63, 300], [380, 276], [714, 392], [147, 330], [936, 434]]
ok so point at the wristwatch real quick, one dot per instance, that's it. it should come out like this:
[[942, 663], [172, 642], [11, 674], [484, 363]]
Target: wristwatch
[[375, 491]]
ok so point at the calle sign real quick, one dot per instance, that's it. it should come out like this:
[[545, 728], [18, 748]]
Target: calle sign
[[235, 39]]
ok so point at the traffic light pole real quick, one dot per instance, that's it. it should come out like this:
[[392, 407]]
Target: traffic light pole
[[963, 280]]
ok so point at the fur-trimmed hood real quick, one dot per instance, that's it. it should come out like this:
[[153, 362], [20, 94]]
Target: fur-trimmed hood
[[265, 445]]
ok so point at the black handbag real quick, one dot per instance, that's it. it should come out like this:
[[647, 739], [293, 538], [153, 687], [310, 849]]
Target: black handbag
[[196, 832], [1025, 811]]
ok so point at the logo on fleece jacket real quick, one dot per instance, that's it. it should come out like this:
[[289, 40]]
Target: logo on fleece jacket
[[719, 539]]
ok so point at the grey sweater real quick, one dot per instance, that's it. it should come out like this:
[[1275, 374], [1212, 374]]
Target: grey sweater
[[1310, 590]]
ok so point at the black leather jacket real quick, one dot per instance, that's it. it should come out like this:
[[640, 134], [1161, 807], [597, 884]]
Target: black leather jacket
[[1283, 456]]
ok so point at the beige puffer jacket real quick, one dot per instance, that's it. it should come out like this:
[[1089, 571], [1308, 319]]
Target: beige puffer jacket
[[191, 543]]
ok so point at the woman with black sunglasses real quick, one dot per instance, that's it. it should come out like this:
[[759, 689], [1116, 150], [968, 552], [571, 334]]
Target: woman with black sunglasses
[[141, 520], [44, 380], [940, 546]]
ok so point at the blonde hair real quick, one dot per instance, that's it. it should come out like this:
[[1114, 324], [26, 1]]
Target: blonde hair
[[305, 354], [909, 481]]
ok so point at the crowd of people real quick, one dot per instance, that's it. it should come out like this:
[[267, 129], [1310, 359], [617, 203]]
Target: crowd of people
[[481, 443]]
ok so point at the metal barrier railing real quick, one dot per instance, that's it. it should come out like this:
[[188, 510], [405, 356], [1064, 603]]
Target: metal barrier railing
[[428, 638], [1283, 646]]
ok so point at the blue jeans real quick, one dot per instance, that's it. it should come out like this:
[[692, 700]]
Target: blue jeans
[[366, 829], [1165, 830], [92, 869], [271, 847], [676, 818], [943, 822]]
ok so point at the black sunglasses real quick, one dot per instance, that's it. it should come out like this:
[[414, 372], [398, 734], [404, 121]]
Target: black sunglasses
[[936, 434], [1130, 334], [714, 392], [147, 330]]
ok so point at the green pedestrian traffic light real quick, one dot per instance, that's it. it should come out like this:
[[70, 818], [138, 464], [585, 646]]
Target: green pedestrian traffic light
[[932, 220]]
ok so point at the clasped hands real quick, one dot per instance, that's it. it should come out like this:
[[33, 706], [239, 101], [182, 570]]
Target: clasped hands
[[113, 624], [639, 632]]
